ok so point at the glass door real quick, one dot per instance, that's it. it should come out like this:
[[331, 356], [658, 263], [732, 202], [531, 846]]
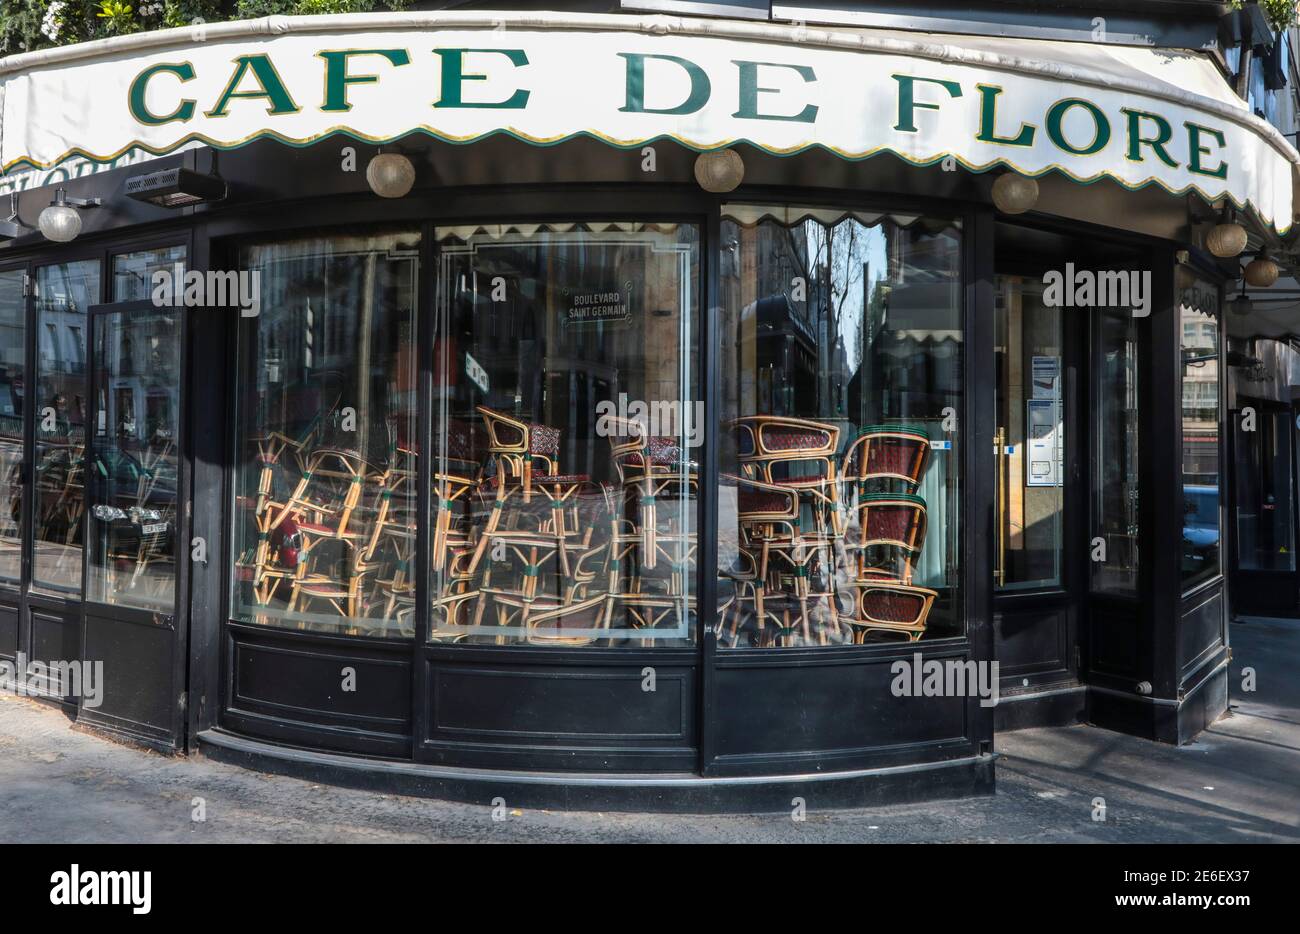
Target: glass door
[[136, 364], [13, 460], [1030, 438], [1038, 348], [13, 371], [136, 526]]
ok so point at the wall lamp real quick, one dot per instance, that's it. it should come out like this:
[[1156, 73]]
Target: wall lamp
[[61, 221]]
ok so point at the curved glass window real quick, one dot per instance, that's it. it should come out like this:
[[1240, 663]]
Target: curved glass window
[[566, 420], [325, 496], [840, 482]]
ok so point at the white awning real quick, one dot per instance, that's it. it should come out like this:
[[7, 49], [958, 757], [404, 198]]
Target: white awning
[[1086, 111]]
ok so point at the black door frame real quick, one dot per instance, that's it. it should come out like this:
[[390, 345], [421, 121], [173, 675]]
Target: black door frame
[[59, 614], [163, 723], [15, 593], [1067, 596]]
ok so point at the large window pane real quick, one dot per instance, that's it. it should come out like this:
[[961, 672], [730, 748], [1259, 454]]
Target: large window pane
[[1199, 316], [1115, 453], [64, 293], [13, 346], [565, 423], [1029, 443], [326, 436], [134, 482], [133, 272], [841, 393]]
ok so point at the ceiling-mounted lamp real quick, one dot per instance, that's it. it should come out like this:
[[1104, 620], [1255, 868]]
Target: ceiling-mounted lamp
[[1014, 193], [1227, 238], [1262, 271], [719, 171], [11, 228], [390, 175], [1241, 305], [61, 221], [175, 188]]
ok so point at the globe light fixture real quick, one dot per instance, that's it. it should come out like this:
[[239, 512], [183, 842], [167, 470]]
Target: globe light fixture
[[720, 171], [1014, 193], [390, 175], [1227, 238], [1261, 272], [61, 221]]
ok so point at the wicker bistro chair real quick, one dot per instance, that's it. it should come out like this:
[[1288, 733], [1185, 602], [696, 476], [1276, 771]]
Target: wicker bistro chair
[[886, 536], [888, 607], [645, 601], [793, 452], [887, 455], [890, 532], [784, 559], [515, 445], [456, 474], [339, 500], [571, 617], [650, 469]]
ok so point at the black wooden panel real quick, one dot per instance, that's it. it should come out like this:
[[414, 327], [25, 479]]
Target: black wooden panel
[[52, 636], [138, 663], [8, 626], [772, 717], [290, 687], [1200, 630], [1116, 633], [561, 705], [1031, 641]]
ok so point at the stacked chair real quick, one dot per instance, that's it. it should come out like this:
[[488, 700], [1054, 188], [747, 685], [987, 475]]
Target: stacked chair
[[882, 470], [652, 544], [789, 525], [827, 544], [520, 551], [532, 532]]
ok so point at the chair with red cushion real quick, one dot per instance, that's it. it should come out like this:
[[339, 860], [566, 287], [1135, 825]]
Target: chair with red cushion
[[887, 458], [885, 536]]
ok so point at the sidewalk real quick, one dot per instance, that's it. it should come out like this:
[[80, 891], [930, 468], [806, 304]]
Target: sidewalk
[[1239, 782]]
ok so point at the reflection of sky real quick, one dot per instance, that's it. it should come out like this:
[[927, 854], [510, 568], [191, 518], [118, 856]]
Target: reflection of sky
[[854, 249]]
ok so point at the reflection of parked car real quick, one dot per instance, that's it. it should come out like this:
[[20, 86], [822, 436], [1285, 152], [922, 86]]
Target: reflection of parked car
[[1200, 526], [135, 515]]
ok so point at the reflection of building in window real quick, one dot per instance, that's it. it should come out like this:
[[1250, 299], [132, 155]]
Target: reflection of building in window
[[843, 322]]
